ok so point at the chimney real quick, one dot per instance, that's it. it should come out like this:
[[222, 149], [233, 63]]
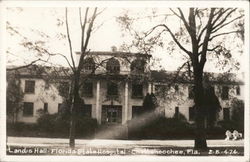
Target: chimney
[[77, 58], [113, 48]]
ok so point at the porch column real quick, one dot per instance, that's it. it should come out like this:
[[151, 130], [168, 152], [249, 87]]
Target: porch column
[[98, 110], [153, 88], [125, 104], [149, 88]]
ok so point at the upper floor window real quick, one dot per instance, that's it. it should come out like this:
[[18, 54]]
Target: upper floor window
[[112, 89], [28, 109], [89, 64], [176, 87], [113, 66], [191, 92], [46, 86], [64, 88], [224, 94], [45, 107], [138, 66], [238, 90], [87, 89], [137, 90], [29, 86]]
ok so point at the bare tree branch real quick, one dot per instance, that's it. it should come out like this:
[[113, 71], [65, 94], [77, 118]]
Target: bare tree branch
[[206, 39], [173, 36], [80, 16], [24, 66], [219, 14], [223, 20], [69, 40], [184, 21], [225, 33], [59, 54], [177, 73], [83, 28], [87, 39], [218, 28], [212, 49]]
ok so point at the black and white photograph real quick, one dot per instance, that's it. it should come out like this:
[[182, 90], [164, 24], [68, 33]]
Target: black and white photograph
[[129, 80]]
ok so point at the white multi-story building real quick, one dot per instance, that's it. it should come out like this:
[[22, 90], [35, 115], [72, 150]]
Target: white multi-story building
[[114, 85]]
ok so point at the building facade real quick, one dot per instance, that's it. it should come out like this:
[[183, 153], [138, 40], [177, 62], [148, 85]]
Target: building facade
[[114, 85]]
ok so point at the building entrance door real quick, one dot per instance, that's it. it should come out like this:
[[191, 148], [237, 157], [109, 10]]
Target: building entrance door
[[111, 114]]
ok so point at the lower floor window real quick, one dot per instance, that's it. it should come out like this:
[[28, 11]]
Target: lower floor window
[[226, 114], [191, 113], [176, 113], [111, 114], [86, 110], [28, 109], [59, 108], [137, 111]]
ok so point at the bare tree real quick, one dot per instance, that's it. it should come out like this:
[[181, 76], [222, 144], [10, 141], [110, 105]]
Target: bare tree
[[44, 54], [86, 29], [197, 38]]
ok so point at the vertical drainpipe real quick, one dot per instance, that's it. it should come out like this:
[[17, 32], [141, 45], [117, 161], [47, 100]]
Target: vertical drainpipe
[[126, 104], [98, 110]]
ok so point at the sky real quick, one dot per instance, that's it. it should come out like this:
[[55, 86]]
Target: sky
[[30, 20]]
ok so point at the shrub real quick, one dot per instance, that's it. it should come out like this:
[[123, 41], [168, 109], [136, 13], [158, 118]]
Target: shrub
[[238, 114], [19, 128], [216, 133], [227, 125], [59, 124], [85, 127], [160, 128], [46, 122]]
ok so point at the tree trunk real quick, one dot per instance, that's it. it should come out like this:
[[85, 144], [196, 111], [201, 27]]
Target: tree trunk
[[74, 107], [200, 135]]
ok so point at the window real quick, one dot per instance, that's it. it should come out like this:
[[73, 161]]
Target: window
[[86, 110], [112, 89], [176, 87], [212, 89], [191, 113], [45, 107], [46, 86], [138, 66], [29, 86], [191, 92], [137, 90], [89, 64], [87, 89], [111, 114], [137, 111], [60, 108], [113, 66], [225, 90], [28, 109], [238, 90], [63, 88], [176, 113], [160, 89], [226, 114]]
